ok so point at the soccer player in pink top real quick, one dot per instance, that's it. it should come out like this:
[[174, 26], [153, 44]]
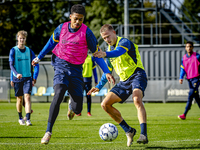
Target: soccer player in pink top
[[70, 43], [190, 66]]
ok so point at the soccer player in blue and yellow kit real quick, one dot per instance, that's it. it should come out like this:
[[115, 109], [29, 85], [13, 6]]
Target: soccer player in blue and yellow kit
[[124, 57], [70, 43]]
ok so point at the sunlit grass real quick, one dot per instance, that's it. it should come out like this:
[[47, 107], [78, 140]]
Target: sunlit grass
[[165, 130]]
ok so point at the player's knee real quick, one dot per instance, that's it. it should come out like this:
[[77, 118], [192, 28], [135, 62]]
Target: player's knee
[[19, 99], [137, 101], [27, 97], [78, 109], [104, 105]]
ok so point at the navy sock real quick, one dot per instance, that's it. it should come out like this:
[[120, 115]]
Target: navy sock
[[125, 126], [28, 116], [49, 127], [143, 127], [20, 115]]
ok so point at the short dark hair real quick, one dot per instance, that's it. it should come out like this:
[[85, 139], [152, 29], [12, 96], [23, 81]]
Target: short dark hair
[[78, 8], [190, 42], [106, 27]]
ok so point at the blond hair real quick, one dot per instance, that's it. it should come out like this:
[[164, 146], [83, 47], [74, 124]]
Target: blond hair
[[22, 32], [106, 27]]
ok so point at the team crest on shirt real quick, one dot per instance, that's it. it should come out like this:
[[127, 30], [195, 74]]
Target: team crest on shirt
[[195, 84]]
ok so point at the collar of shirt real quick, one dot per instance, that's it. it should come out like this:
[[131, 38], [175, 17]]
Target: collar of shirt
[[71, 29]]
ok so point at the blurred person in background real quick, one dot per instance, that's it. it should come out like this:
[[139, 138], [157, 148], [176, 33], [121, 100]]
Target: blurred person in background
[[89, 67], [190, 66]]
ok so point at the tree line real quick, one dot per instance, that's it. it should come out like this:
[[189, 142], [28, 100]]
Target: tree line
[[40, 19]]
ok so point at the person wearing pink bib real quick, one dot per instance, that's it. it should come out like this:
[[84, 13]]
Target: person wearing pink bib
[[70, 43], [190, 66]]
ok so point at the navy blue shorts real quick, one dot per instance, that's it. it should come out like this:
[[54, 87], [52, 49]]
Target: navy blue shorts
[[23, 87], [123, 89], [194, 84], [72, 78]]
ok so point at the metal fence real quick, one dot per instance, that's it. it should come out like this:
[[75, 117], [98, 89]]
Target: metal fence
[[161, 63]]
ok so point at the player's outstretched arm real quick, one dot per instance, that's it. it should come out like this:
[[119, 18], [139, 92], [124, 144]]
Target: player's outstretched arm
[[102, 83], [46, 49], [105, 69], [100, 53], [111, 54]]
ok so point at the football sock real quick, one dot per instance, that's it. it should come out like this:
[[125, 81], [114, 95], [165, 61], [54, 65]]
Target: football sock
[[125, 126], [20, 115], [185, 112], [49, 127], [28, 116], [143, 127]]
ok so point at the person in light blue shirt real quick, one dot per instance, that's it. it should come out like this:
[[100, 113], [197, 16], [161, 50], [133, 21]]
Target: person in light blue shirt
[[20, 59]]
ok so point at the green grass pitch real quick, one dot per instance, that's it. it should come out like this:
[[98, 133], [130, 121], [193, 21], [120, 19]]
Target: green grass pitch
[[165, 130]]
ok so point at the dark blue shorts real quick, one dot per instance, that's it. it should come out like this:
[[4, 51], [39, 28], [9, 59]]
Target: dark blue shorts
[[70, 75], [73, 79], [23, 87], [123, 89], [194, 84]]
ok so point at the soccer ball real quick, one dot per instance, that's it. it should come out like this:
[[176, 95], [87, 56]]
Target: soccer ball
[[108, 132]]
